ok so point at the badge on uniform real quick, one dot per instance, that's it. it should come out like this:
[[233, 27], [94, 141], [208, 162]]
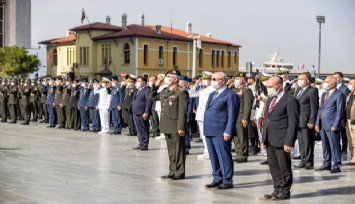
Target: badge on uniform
[[170, 103]]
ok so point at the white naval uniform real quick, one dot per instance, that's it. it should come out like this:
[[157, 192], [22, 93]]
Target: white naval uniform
[[103, 105]]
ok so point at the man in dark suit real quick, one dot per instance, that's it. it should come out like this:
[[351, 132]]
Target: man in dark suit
[[141, 109], [329, 119], [174, 104], [57, 101], [220, 120], [309, 103], [129, 92], [92, 103], [279, 136], [84, 110], [344, 89], [350, 121], [75, 120]]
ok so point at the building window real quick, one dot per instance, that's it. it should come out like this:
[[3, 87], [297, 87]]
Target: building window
[[70, 56], [161, 52], [222, 59], [200, 58], [217, 58], [127, 54], [174, 56], [55, 57], [145, 54], [229, 58], [106, 54], [235, 57], [213, 59], [84, 56]]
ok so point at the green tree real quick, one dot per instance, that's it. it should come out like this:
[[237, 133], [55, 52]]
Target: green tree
[[16, 61]]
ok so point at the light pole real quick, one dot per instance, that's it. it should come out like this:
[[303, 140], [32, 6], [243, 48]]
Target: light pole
[[320, 20]]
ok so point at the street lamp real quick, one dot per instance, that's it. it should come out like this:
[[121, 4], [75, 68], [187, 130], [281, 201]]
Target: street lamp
[[320, 20]]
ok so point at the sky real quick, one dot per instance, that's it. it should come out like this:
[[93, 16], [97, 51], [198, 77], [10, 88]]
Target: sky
[[261, 27]]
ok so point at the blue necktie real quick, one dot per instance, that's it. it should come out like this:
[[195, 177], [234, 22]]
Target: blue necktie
[[215, 95], [299, 94]]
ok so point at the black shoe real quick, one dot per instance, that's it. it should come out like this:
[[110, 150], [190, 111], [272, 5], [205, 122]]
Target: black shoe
[[265, 162], [3, 121], [51, 126], [25, 123], [323, 168], [309, 167], [344, 152], [296, 157], [144, 149], [167, 176], [34, 120], [60, 127], [137, 148], [225, 186], [335, 170], [178, 178], [187, 152], [213, 185], [198, 140], [299, 166], [76, 128], [116, 133], [282, 196], [241, 160], [42, 121], [12, 122], [272, 195], [84, 130]]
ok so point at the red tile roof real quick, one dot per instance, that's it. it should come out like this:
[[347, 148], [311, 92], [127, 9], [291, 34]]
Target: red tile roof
[[142, 31], [97, 26], [66, 39]]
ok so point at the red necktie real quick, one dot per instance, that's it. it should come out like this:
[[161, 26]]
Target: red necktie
[[326, 98], [272, 105]]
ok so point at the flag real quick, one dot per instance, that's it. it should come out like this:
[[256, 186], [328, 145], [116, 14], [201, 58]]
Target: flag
[[83, 16], [302, 66]]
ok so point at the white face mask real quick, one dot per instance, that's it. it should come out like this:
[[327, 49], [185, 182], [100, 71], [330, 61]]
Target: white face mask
[[32, 84], [237, 83], [3, 83], [271, 92], [83, 85], [12, 84], [129, 84], [138, 85], [351, 87], [214, 84], [114, 84], [51, 83], [167, 81], [74, 85], [325, 86], [44, 83], [205, 82], [25, 84], [103, 85], [301, 83], [150, 84]]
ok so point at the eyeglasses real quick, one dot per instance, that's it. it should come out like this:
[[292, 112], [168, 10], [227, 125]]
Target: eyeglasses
[[216, 79]]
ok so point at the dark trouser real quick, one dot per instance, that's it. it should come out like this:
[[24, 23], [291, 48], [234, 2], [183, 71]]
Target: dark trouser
[[26, 108], [241, 142], [127, 116], [52, 117], [331, 148], [60, 115], [305, 138], [344, 138], [12, 108], [253, 136], [220, 155], [21, 112], [45, 112], [142, 130], [177, 154], [68, 117], [280, 168], [75, 117], [3, 110], [188, 136], [95, 119], [84, 116], [154, 120], [34, 109], [116, 120]]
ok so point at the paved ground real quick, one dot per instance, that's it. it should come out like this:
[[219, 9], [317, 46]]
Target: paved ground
[[41, 165]]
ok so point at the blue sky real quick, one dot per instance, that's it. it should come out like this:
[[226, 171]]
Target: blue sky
[[261, 27]]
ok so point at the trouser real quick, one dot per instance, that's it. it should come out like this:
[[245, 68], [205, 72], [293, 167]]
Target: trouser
[[13, 114], [45, 112], [280, 168], [105, 120], [129, 121], [116, 120], [68, 117], [26, 112], [154, 119], [331, 148], [253, 136], [60, 115], [305, 138], [177, 154], [95, 118], [75, 117], [34, 109], [344, 139], [220, 155], [21, 112], [84, 116], [350, 129], [52, 118], [3, 110], [241, 142], [142, 127], [202, 136]]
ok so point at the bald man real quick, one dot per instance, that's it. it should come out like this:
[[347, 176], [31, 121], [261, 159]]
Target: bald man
[[328, 123], [279, 136]]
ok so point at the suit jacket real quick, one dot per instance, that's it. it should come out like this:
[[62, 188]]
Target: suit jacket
[[58, 95], [352, 111], [141, 102], [83, 97], [246, 103], [116, 97], [128, 98], [174, 104], [281, 126], [309, 105], [50, 94], [344, 89], [221, 114], [93, 99], [332, 112]]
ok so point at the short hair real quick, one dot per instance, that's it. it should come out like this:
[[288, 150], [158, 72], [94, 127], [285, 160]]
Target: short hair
[[339, 73], [155, 77], [352, 79], [307, 74], [252, 78], [142, 78]]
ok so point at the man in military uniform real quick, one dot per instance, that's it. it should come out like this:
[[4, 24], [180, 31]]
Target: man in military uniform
[[13, 100], [19, 107], [130, 90], [25, 102], [34, 102], [3, 100], [84, 111], [116, 105], [43, 99], [246, 102], [65, 104], [57, 101], [92, 103], [74, 120], [52, 117], [173, 121]]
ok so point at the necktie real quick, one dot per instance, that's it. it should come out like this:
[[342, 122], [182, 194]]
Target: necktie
[[215, 95], [299, 94], [272, 105], [326, 98]]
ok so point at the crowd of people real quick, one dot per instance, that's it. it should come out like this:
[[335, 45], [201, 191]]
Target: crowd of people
[[263, 114]]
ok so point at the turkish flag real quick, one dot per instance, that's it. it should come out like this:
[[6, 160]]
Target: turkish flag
[[83, 16]]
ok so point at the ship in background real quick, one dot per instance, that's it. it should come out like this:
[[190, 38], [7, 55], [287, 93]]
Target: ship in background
[[274, 63]]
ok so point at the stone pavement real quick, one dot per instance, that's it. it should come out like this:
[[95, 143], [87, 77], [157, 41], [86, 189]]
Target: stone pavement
[[42, 165]]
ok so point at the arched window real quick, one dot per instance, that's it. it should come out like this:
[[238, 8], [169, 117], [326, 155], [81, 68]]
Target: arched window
[[127, 54], [55, 57]]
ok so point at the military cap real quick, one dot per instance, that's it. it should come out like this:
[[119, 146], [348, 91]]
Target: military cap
[[318, 81], [94, 81], [173, 72], [264, 77], [131, 78], [281, 72], [240, 74], [114, 78], [206, 75], [161, 76], [229, 76], [105, 80], [84, 80], [183, 78]]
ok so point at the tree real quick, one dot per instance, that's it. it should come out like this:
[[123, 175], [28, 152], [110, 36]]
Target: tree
[[16, 61]]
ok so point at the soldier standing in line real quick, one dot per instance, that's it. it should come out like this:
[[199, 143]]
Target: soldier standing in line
[[52, 117], [19, 107], [130, 90], [43, 99], [3, 100], [34, 103], [74, 119], [57, 101], [13, 100], [84, 111], [92, 103], [65, 104], [116, 105], [25, 102]]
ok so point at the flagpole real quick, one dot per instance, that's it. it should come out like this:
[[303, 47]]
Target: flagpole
[[86, 16]]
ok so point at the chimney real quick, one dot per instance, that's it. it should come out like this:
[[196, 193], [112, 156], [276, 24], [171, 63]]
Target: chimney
[[124, 21], [158, 29], [142, 19], [108, 20], [188, 27]]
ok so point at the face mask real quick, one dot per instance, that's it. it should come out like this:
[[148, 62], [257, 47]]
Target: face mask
[[3, 83], [25, 84], [122, 83], [44, 83], [325, 86], [301, 83], [83, 85], [58, 83], [351, 87], [205, 82], [138, 85], [51, 83], [95, 86], [129, 84], [214, 84], [150, 84], [12, 84], [74, 85], [103, 85], [271, 92], [167, 81], [237, 83], [251, 87], [114, 84], [67, 84]]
